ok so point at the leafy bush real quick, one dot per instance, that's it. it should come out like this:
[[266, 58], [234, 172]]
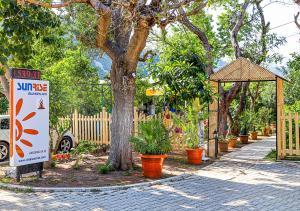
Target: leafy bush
[[223, 139], [188, 123], [84, 147], [264, 117], [153, 138], [104, 169], [53, 164], [245, 120], [230, 136]]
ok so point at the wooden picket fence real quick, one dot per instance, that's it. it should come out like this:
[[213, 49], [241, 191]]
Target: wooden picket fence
[[291, 143], [96, 128]]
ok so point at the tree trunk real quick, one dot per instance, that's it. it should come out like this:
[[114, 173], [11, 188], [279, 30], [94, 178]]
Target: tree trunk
[[4, 79], [120, 156], [226, 99], [223, 116], [241, 108]]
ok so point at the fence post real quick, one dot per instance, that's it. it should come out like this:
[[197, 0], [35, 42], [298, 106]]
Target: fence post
[[75, 119], [105, 121], [297, 133], [290, 134]]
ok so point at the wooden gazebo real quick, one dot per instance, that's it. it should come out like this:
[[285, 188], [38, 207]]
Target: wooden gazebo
[[243, 70]]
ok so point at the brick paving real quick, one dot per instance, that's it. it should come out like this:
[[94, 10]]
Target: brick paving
[[240, 181]]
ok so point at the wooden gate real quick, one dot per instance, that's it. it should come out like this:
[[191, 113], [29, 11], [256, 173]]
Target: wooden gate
[[290, 133]]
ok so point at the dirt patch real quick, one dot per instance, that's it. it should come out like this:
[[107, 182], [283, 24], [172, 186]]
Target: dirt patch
[[64, 175]]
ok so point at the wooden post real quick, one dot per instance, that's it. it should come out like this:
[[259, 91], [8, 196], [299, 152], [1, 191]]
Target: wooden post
[[76, 126], [105, 138], [101, 127], [213, 110], [290, 134], [95, 129], [297, 133], [79, 127], [281, 145]]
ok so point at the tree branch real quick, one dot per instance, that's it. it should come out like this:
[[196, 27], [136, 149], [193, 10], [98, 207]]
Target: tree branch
[[137, 43], [146, 55], [236, 29], [296, 19], [203, 38], [103, 25], [264, 31]]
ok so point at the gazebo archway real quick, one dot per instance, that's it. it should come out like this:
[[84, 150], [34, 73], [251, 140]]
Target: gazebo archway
[[243, 70]]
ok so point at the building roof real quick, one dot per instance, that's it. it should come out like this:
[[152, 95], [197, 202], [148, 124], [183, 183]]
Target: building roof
[[243, 69]]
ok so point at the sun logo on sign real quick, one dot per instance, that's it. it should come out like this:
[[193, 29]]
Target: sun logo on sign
[[20, 130]]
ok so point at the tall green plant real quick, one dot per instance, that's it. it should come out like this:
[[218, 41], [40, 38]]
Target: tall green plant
[[153, 138], [245, 120]]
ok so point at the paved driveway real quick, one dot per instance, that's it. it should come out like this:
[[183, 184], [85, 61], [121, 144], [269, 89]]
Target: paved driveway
[[240, 181]]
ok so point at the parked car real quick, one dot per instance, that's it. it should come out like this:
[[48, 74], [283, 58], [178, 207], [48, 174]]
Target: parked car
[[66, 143]]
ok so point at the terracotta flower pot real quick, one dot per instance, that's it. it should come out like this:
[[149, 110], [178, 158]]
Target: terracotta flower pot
[[254, 135], [232, 143], [244, 139], [194, 156], [266, 131], [223, 146], [152, 165]]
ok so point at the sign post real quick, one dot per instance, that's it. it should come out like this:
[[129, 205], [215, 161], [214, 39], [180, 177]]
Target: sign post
[[29, 121]]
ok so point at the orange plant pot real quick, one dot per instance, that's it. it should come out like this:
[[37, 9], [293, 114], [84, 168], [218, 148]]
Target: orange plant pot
[[266, 131], [194, 156], [152, 165], [232, 143], [223, 146], [244, 139], [254, 135]]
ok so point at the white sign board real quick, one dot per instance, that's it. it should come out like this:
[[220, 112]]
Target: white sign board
[[29, 122]]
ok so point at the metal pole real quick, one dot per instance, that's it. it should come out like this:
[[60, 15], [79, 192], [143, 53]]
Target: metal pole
[[216, 144]]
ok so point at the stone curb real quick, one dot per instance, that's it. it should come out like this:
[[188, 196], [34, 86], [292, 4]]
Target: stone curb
[[91, 189]]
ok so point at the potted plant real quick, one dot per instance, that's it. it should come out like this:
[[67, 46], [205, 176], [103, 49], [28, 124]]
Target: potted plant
[[253, 121], [265, 117], [153, 143], [188, 123], [244, 120], [232, 141], [223, 144], [254, 134]]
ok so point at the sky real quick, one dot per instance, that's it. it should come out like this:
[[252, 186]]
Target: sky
[[281, 18], [278, 14]]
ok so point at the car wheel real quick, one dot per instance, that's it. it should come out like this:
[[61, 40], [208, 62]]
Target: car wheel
[[4, 151], [65, 144]]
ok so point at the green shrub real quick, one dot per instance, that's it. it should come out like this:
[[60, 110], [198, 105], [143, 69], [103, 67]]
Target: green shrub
[[104, 169], [53, 164], [153, 138], [84, 147], [271, 155], [188, 123]]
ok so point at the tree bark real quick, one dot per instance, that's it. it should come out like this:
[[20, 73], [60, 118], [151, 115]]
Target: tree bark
[[4, 79], [123, 86]]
